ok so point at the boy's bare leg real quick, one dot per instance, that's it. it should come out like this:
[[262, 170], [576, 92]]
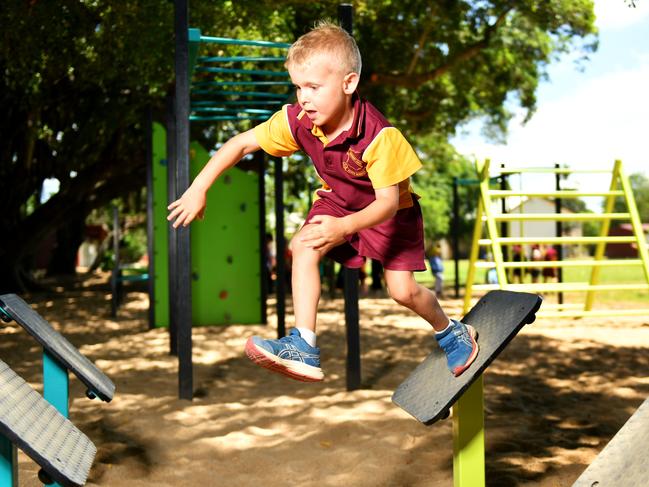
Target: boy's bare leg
[[306, 282], [405, 290]]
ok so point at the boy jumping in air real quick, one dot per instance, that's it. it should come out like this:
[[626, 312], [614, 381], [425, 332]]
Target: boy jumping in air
[[365, 207]]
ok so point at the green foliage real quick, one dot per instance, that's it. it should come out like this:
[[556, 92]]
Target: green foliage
[[640, 187], [78, 77]]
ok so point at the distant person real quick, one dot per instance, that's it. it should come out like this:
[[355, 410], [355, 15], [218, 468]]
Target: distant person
[[536, 255], [437, 269], [365, 209], [517, 256], [550, 274]]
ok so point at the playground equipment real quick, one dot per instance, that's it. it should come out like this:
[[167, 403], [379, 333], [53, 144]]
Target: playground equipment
[[430, 391], [486, 223], [623, 462], [27, 421], [248, 94], [122, 274]]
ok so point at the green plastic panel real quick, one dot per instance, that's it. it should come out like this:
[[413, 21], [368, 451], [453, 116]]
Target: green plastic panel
[[225, 249], [226, 285], [160, 227]]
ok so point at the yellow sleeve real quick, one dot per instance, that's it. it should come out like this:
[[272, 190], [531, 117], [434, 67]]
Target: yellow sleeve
[[390, 159], [274, 135]]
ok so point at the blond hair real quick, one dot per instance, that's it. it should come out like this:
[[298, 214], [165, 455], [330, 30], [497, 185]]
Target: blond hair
[[330, 39]]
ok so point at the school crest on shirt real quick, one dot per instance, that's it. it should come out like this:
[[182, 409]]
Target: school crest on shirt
[[353, 164]]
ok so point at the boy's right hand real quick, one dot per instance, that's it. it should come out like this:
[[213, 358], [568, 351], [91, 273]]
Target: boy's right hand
[[190, 206]]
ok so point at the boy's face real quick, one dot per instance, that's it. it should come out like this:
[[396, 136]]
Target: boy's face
[[323, 91]]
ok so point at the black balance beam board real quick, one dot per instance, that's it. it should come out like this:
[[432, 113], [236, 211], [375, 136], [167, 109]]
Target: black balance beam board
[[430, 390], [44, 434], [58, 346], [624, 461]]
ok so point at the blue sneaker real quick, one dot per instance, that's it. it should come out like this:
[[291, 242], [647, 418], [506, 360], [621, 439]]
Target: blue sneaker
[[460, 346], [291, 356]]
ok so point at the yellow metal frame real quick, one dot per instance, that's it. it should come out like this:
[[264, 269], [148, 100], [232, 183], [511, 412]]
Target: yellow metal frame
[[486, 219]]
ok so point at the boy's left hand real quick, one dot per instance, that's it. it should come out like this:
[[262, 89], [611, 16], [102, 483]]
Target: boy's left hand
[[326, 233]]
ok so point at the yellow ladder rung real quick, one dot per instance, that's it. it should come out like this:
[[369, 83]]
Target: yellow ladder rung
[[559, 216], [562, 263], [556, 240], [562, 306], [561, 287], [552, 170], [593, 312], [504, 193]]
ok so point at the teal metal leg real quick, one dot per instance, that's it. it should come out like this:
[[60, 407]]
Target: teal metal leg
[[8, 463], [56, 387], [468, 438]]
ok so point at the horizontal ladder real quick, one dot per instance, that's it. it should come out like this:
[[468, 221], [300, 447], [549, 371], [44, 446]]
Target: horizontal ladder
[[559, 216], [562, 263], [561, 287], [504, 193], [556, 240]]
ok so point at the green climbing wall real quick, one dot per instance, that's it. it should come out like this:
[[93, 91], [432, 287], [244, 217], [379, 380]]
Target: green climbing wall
[[226, 285]]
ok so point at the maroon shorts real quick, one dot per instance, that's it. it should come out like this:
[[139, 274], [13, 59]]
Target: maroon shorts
[[397, 243]]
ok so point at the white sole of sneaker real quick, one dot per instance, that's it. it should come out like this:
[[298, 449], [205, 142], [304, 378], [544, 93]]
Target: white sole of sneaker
[[289, 368], [476, 348]]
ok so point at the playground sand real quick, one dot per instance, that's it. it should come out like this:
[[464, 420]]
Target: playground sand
[[554, 398]]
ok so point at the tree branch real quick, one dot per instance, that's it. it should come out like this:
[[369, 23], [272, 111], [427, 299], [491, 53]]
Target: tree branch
[[409, 80]]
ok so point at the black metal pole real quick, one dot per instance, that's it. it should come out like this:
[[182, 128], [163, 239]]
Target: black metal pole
[[280, 242], [148, 131], [171, 233], [183, 278], [345, 17], [456, 236], [260, 158], [559, 230]]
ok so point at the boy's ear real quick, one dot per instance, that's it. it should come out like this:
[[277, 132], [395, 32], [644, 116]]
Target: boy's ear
[[350, 83]]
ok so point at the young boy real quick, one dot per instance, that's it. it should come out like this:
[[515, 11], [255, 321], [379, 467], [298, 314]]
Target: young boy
[[365, 208]]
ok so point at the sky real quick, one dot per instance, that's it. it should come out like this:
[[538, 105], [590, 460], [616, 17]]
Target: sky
[[586, 118]]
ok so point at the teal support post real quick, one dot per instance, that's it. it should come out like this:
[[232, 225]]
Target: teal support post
[[468, 438], [56, 387], [8, 463], [56, 384]]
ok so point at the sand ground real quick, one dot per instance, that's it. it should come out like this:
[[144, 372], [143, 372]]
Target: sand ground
[[554, 398]]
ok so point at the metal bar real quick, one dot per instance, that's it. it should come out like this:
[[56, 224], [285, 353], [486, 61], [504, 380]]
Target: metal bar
[[241, 42], [553, 194], [549, 170], [254, 111], [56, 385], [561, 216], [280, 242], [242, 83], [264, 273], [468, 437], [171, 233], [242, 59], [561, 286], [8, 463], [352, 328], [260, 72], [552, 240], [456, 236], [183, 293], [563, 263], [208, 103], [593, 313], [215, 118], [254, 94], [558, 228], [148, 134]]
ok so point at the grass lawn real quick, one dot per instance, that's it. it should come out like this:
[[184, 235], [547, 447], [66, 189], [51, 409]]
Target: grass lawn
[[608, 275]]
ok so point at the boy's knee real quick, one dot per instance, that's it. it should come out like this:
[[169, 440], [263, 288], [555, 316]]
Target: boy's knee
[[404, 295]]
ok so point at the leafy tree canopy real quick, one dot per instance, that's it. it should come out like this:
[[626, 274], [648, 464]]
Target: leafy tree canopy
[[78, 77]]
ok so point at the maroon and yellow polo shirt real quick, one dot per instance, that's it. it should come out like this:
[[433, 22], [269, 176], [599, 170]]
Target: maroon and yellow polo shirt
[[371, 155]]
